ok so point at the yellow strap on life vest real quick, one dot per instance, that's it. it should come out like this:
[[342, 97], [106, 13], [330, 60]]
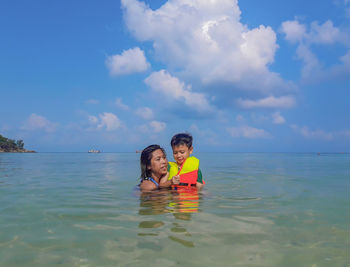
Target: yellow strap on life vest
[[191, 164]]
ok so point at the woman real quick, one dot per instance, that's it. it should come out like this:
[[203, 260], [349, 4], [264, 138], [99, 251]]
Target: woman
[[154, 168]]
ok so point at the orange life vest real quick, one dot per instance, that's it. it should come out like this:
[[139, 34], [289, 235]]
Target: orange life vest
[[188, 171]]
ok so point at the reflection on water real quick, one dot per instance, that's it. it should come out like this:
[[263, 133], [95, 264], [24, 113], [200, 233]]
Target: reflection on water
[[151, 224], [181, 203], [182, 200], [153, 203]]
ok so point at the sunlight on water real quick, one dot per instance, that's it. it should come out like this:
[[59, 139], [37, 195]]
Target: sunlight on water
[[77, 209]]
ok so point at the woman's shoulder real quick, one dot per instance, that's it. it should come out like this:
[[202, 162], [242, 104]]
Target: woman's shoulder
[[148, 185]]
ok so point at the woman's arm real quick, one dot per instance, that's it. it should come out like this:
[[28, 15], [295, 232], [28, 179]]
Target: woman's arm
[[147, 186], [164, 182]]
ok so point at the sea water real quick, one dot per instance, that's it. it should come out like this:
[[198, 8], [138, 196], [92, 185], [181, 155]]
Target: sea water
[[80, 209]]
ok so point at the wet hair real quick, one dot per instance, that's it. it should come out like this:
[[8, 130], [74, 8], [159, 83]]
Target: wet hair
[[182, 139], [145, 159]]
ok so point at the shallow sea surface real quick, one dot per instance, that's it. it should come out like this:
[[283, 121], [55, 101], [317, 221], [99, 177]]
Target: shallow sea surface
[[80, 209]]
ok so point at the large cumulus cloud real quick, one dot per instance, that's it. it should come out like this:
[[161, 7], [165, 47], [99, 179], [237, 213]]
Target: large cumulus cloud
[[206, 40]]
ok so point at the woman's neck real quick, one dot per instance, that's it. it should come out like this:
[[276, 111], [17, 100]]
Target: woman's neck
[[156, 177]]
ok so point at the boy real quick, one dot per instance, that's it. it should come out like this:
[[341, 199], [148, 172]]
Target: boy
[[185, 171]]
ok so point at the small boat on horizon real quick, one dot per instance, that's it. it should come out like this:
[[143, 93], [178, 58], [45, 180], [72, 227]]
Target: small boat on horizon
[[94, 151]]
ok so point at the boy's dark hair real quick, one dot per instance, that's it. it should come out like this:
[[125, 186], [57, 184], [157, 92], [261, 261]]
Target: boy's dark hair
[[145, 159], [182, 139]]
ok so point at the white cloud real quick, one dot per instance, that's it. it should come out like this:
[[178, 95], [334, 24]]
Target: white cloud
[[342, 69], [119, 103], [259, 118], [157, 126], [320, 134], [311, 65], [194, 128], [106, 121], [206, 40], [277, 118], [346, 133], [130, 61], [93, 119], [109, 121], [248, 132], [205, 135], [37, 122], [347, 12], [268, 102], [152, 127], [240, 118], [315, 134], [323, 34], [173, 89], [347, 8], [317, 34], [144, 112], [294, 31], [92, 102]]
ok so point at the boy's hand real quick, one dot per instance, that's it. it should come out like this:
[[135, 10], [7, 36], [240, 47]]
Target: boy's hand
[[176, 179]]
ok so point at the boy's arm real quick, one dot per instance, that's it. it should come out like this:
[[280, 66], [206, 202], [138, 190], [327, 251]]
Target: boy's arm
[[164, 182], [199, 186], [199, 183]]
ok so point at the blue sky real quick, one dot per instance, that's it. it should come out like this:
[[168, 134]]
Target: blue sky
[[241, 76]]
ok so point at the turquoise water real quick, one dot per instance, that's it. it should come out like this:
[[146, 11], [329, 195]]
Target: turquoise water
[[80, 209]]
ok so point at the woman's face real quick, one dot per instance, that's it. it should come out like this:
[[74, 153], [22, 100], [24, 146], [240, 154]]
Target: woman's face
[[159, 163]]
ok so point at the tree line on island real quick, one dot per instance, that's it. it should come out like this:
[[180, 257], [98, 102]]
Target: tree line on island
[[11, 145]]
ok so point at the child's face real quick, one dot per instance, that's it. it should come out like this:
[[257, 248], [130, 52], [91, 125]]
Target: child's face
[[181, 153]]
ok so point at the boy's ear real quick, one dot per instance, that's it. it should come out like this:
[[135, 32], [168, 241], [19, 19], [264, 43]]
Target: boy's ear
[[191, 149]]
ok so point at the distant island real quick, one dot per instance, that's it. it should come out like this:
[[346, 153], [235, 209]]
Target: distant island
[[10, 145]]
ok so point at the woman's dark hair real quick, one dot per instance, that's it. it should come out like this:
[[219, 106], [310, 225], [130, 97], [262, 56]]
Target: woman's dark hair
[[145, 159], [182, 139]]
